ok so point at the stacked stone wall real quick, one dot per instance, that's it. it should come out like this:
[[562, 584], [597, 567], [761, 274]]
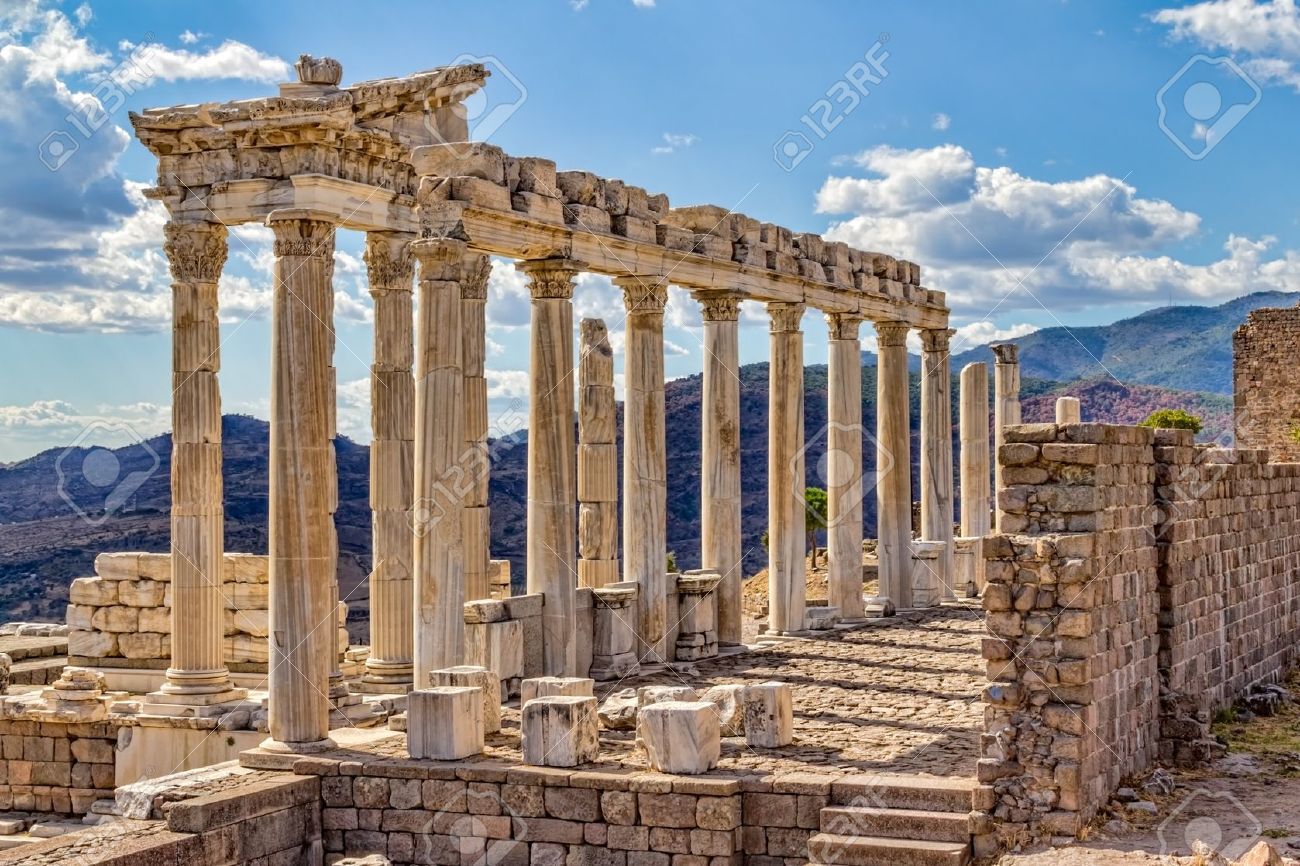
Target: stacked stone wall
[[53, 766], [1266, 389], [1072, 600]]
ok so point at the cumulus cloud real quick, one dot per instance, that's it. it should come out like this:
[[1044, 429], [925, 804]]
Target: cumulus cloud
[[1267, 33], [941, 122], [229, 60], [30, 428], [998, 241]]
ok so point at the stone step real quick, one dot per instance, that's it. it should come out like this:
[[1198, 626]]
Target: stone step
[[896, 823], [829, 849], [892, 791]]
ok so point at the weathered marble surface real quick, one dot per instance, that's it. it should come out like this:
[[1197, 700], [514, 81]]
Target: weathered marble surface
[[680, 736], [560, 731], [444, 723]]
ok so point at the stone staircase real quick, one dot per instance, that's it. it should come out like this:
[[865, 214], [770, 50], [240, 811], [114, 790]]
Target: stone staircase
[[894, 820]]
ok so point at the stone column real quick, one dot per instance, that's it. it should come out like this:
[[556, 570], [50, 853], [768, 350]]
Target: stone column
[[390, 268], [975, 497], [720, 544], [552, 490], [645, 468], [893, 464], [197, 674], [1068, 410], [1006, 404], [476, 518], [598, 563], [936, 451], [844, 465], [787, 587], [442, 469], [301, 537]]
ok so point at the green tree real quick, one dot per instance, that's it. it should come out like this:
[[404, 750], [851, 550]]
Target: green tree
[[1173, 419], [672, 562], [814, 517]]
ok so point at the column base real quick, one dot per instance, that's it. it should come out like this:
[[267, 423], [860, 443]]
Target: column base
[[309, 748], [192, 690]]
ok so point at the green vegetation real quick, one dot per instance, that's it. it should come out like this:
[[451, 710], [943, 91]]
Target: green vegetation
[[1173, 419], [672, 562], [814, 517]]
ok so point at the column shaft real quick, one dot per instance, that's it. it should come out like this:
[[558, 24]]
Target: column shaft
[[720, 540], [936, 450], [645, 467], [552, 492], [893, 465], [844, 465], [197, 674], [598, 563], [477, 520], [442, 476], [301, 536], [787, 586], [1006, 403], [392, 421], [975, 501]]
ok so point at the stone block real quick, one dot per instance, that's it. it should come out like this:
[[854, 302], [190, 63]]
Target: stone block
[[94, 591], [560, 731], [680, 737], [461, 159], [728, 700], [499, 647], [618, 711], [92, 644], [554, 687], [769, 715], [140, 593], [444, 723], [476, 677]]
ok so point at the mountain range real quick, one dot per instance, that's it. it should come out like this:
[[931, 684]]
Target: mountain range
[[53, 521]]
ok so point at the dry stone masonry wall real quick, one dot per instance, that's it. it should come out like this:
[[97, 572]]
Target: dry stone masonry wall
[[1266, 392]]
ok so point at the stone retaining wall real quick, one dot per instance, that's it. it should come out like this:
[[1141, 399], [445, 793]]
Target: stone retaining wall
[[55, 766], [122, 617], [1266, 395], [1140, 584]]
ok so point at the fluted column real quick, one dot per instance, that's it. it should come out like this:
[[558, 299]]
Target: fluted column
[[975, 497], [441, 463], [390, 269], [552, 491], [477, 520], [196, 253], [598, 563], [787, 586], [893, 464], [936, 450], [1006, 404], [720, 544], [844, 465], [301, 536], [645, 467]]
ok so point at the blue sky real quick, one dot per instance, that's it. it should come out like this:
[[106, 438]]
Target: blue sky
[[1013, 149]]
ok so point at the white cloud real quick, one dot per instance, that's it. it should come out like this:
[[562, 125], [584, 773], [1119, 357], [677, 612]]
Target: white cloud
[[29, 429], [189, 37], [1269, 32], [941, 122], [643, 4], [229, 60], [674, 141], [982, 332], [979, 231]]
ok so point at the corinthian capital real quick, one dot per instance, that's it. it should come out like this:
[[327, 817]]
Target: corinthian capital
[[719, 308], [844, 326], [936, 339], [785, 316], [551, 278], [474, 281], [891, 333], [389, 264], [303, 232], [1006, 353], [643, 294], [196, 252]]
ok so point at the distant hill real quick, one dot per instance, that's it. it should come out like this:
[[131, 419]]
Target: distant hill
[[1187, 348]]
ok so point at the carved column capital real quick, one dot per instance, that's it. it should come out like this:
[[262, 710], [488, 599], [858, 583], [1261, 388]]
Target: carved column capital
[[844, 326], [474, 280], [785, 315], [719, 308], [643, 294], [1006, 353], [936, 339], [441, 259], [891, 333], [303, 232], [389, 264], [196, 252], [551, 278]]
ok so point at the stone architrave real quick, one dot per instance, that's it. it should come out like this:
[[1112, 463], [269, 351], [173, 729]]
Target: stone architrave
[[390, 269], [787, 584], [598, 563], [197, 674], [645, 467], [477, 517], [720, 538], [936, 452], [301, 536], [1006, 404], [844, 489], [552, 530], [893, 465], [442, 466]]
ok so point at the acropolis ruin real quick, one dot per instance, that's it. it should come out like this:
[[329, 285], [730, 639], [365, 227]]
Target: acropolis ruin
[[1074, 604]]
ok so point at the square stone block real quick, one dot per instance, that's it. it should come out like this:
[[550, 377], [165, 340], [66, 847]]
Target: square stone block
[[475, 677], [769, 715], [729, 702], [555, 687], [823, 618], [499, 647], [680, 736], [444, 723], [560, 731]]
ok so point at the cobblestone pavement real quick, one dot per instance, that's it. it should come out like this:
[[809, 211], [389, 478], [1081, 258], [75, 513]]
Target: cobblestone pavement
[[898, 695]]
